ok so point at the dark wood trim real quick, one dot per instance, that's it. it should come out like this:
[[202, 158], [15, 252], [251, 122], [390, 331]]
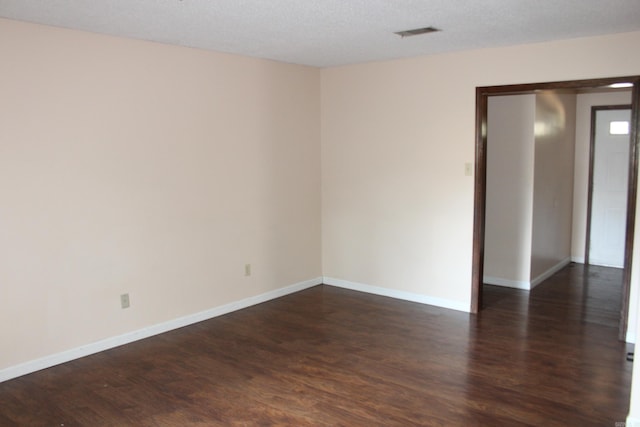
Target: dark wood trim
[[592, 140], [482, 94], [631, 207], [592, 146], [559, 85], [479, 202]]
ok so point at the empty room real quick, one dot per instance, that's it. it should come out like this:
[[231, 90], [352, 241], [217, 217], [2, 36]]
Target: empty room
[[335, 212]]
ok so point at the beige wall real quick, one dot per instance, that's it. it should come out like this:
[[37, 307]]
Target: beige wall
[[160, 171], [634, 324], [509, 203], [581, 172], [397, 206], [553, 183], [128, 166], [530, 146]]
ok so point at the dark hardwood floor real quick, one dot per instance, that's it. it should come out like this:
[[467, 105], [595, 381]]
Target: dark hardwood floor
[[328, 356]]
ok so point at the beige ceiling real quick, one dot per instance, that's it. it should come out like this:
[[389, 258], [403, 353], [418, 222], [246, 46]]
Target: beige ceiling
[[327, 33]]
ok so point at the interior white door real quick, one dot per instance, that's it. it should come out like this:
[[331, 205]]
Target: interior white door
[[609, 196]]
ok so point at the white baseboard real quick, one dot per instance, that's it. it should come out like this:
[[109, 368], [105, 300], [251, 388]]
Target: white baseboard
[[517, 284], [550, 272], [577, 259], [498, 281], [96, 347], [632, 422], [392, 293], [630, 337]]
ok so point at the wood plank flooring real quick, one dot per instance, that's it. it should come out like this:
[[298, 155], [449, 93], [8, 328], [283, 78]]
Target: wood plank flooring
[[329, 357]]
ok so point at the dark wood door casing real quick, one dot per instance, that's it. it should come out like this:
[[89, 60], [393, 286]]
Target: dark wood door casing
[[480, 184]]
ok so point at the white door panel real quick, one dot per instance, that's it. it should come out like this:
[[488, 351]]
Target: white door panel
[[609, 197]]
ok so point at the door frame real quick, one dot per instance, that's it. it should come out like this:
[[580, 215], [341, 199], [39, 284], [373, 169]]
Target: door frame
[[592, 158], [480, 185]]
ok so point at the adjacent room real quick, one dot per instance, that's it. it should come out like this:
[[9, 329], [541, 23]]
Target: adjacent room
[[288, 213]]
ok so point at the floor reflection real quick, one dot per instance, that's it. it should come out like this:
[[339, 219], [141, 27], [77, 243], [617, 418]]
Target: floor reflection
[[555, 347]]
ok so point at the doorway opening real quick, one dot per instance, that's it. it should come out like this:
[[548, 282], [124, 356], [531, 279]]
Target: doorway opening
[[607, 188], [482, 96]]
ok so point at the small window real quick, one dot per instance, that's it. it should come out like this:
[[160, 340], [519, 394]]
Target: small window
[[619, 128]]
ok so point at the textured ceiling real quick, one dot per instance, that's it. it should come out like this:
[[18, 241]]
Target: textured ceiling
[[334, 32]]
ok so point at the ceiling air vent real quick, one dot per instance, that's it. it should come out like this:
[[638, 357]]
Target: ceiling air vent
[[416, 32]]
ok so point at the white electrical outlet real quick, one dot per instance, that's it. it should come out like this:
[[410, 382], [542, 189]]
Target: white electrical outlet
[[124, 301], [247, 270]]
